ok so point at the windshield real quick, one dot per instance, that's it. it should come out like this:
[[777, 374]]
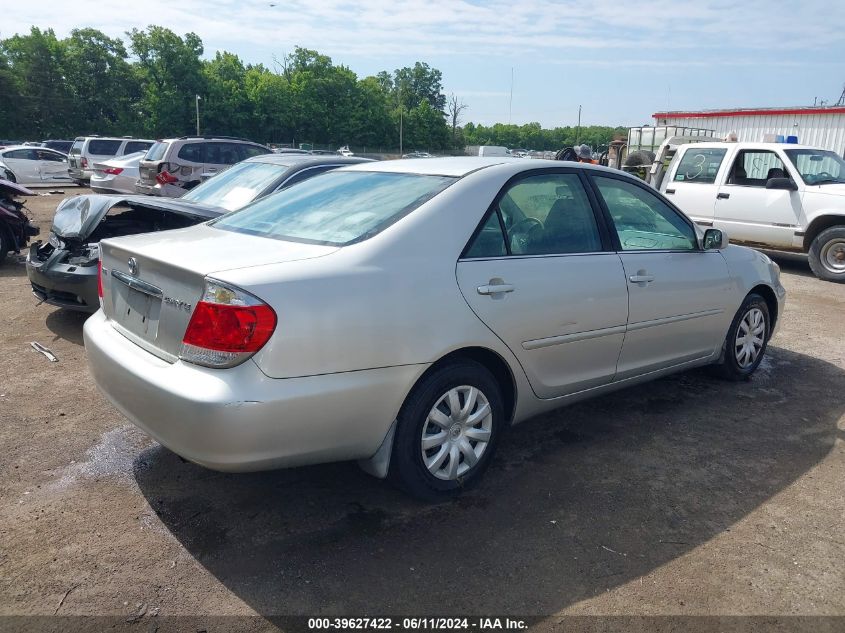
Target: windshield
[[336, 208], [817, 166], [237, 186]]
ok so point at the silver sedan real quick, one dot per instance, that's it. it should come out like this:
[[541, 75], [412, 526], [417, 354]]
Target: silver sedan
[[404, 313]]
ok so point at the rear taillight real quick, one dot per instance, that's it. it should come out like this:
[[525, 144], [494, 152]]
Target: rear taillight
[[227, 326], [164, 177], [84, 162], [114, 171], [100, 280]]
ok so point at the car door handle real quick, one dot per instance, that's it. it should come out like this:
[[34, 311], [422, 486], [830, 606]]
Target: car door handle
[[494, 289], [641, 278], [722, 196], [669, 192]]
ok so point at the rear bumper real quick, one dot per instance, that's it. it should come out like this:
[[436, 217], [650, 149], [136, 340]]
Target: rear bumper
[[63, 285], [79, 174], [238, 419]]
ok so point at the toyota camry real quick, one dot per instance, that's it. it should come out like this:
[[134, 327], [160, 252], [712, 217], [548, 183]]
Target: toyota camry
[[404, 313]]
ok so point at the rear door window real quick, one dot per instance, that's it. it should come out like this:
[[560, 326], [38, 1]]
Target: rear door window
[[192, 152], [221, 154], [136, 146], [102, 147], [76, 148], [21, 154], [699, 165], [252, 150]]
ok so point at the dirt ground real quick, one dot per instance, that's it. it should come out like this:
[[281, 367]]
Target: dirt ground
[[687, 496]]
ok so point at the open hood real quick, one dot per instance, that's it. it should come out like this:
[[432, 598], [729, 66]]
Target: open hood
[[77, 217]]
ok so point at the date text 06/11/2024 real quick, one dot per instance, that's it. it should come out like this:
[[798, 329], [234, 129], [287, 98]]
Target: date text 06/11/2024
[[416, 624]]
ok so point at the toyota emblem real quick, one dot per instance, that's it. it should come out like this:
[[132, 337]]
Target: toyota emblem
[[133, 266]]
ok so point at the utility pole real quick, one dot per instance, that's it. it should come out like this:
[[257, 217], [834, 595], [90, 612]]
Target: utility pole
[[198, 114], [510, 102], [401, 113], [578, 129]]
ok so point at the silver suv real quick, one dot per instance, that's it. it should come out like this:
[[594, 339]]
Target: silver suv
[[173, 166], [87, 150]]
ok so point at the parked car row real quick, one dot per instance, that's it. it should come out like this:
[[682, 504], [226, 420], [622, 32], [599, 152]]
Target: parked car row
[[63, 269]]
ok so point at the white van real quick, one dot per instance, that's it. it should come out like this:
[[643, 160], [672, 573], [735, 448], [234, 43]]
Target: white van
[[87, 150], [769, 195], [493, 150]]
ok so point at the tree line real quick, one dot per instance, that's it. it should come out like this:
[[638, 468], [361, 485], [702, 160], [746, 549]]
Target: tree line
[[90, 83]]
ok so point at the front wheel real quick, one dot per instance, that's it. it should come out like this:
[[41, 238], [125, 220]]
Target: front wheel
[[447, 431], [746, 341], [827, 254]]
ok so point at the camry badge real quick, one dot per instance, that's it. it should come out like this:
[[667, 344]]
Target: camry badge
[[133, 266]]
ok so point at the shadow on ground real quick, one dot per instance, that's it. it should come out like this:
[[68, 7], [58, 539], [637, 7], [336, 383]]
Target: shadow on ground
[[67, 324], [13, 266], [576, 502]]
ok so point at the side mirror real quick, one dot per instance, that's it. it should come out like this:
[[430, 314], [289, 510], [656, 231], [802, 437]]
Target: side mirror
[[781, 183], [714, 239]]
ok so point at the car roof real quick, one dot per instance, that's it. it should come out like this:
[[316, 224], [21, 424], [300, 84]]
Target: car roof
[[457, 166], [36, 147], [306, 160]]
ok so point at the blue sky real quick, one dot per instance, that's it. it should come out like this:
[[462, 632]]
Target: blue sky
[[621, 61]]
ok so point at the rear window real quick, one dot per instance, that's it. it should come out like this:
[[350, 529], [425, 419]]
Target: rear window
[[100, 147], [699, 165], [157, 151], [136, 146], [76, 148], [238, 186], [191, 152], [336, 208]]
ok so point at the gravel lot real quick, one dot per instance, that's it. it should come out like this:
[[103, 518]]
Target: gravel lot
[[685, 496]]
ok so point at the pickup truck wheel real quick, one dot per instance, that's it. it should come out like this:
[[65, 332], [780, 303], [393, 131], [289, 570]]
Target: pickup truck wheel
[[827, 254], [745, 344], [447, 431]]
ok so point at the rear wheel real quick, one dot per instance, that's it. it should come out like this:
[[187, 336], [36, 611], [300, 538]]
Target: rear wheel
[[827, 254], [447, 431], [746, 341]]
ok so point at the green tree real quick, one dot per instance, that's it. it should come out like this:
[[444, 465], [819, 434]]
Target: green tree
[[226, 107], [101, 83], [170, 71], [36, 62]]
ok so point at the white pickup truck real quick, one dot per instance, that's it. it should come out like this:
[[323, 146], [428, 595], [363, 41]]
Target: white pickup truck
[[768, 195]]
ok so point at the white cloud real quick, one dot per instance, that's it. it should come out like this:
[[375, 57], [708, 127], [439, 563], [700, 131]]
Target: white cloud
[[380, 28]]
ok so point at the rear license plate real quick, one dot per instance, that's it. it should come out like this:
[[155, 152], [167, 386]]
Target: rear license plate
[[137, 312]]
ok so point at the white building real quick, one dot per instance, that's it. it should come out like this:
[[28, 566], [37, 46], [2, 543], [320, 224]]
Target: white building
[[819, 126]]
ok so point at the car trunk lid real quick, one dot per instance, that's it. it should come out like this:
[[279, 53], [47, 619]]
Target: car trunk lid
[[153, 282]]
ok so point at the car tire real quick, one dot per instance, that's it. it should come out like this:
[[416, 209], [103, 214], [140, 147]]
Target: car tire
[[827, 254], [443, 470], [741, 358], [639, 158]]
